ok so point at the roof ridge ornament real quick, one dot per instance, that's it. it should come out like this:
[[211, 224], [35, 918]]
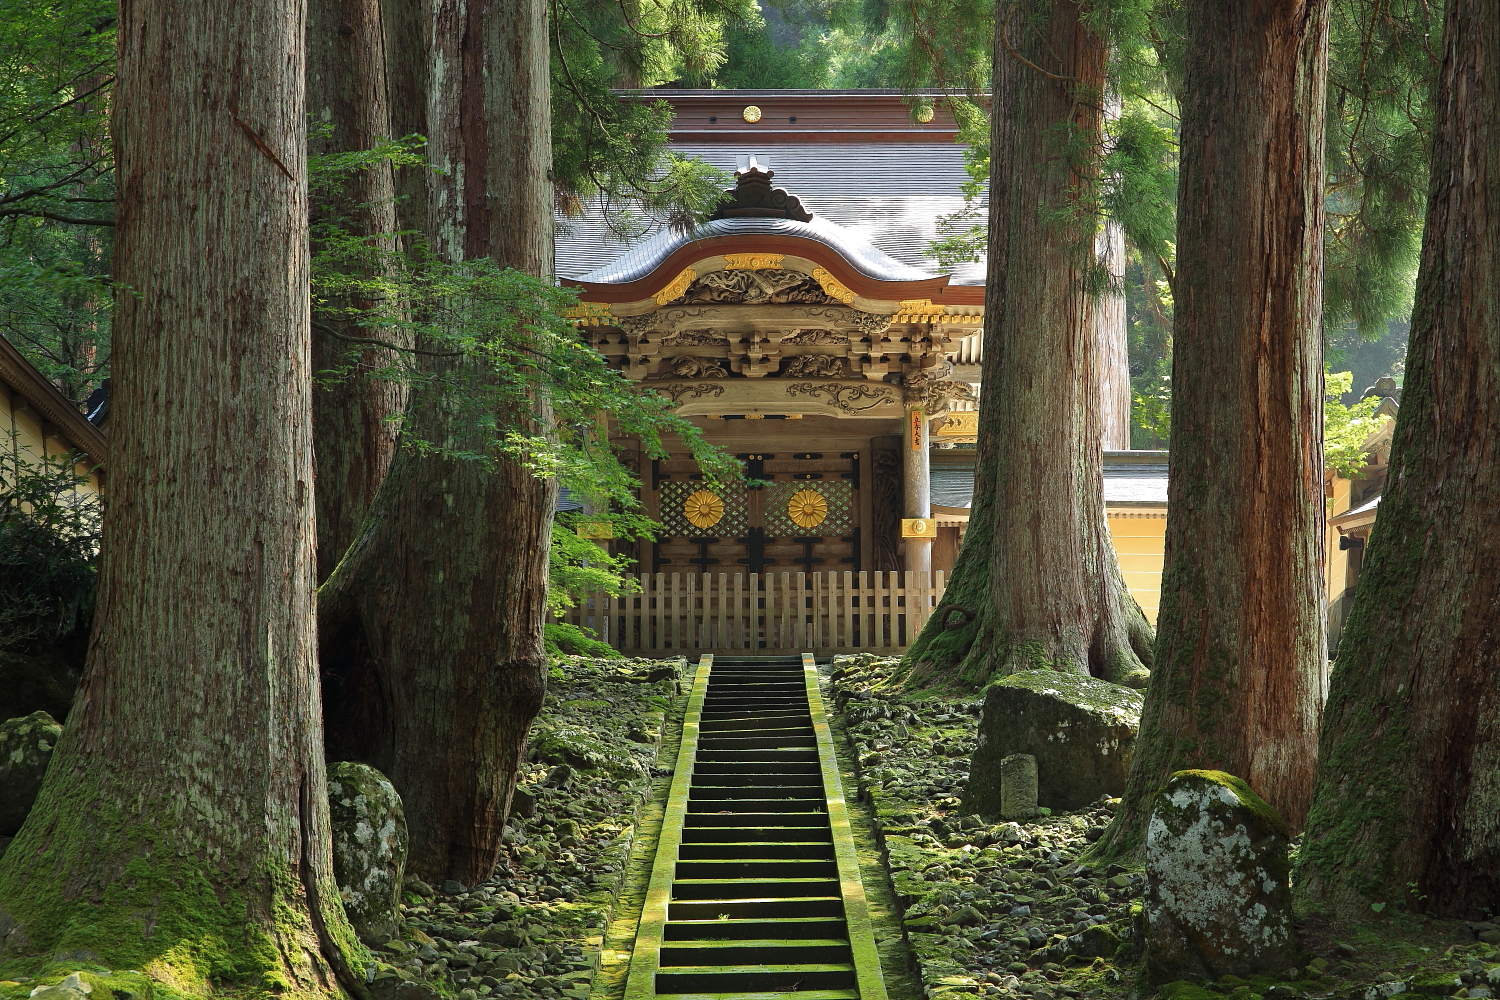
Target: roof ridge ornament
[[753, 197]]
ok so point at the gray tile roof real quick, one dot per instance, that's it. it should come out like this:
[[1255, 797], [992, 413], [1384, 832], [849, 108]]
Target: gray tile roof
[[1125, 485], [888, 195]]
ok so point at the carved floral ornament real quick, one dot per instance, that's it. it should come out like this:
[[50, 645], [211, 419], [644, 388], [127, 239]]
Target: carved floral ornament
[[807, 508], [703, 509], [849, 397], [753, 261]]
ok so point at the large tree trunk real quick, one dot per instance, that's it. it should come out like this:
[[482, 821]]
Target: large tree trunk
[[354, 437], [1240, 648], [183, 825], [1405, 801], [435, 616], [1037, 569]]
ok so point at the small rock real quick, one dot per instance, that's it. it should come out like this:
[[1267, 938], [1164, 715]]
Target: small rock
[[369, 847], [416, 885], [966, 916], [71, 988], [1020, 911], [452, 888], [25, 750], [1218, 901]]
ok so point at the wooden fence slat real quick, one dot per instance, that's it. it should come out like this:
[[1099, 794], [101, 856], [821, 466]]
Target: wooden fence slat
[[836, 610]]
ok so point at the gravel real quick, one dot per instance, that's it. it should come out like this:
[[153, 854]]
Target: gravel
[[534, 930]]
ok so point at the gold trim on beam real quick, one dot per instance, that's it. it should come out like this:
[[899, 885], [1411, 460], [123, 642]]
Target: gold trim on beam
[[964, 424], [926, 311], [676, 287], [591, 314], [752, 261], [833, 286]]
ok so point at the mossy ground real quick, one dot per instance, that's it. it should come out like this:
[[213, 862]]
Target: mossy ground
[[913, 750]]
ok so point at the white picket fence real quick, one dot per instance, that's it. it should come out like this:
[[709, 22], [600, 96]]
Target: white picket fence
[[720, 612]]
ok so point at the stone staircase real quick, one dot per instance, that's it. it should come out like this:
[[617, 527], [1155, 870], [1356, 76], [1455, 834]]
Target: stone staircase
[[753, 892]]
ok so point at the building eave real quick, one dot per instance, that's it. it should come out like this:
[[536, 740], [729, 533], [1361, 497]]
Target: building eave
[[43, 397]]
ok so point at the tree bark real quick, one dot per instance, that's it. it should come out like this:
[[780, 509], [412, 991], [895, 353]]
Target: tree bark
[[1405, 800], [182, 828], [353, 436], [1037, 584], [1240, 648], [435, 616]]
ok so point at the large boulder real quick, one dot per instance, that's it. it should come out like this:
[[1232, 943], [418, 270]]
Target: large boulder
[[1218, 897], [25, 750], [1079, 729], [369, 846]]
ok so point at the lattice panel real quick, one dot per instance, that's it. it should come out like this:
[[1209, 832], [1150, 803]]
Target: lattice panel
[[792, 512], [694, 510]]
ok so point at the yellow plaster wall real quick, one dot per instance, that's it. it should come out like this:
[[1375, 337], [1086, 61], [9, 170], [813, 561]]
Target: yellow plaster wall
[[21, 428], [1139, 543], [1336, 560]]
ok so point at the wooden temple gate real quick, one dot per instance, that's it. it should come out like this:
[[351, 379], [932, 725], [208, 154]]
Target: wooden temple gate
[[826, 612]]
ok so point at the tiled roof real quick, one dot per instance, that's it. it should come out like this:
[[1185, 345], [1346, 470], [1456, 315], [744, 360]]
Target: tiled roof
[[1125, 485], [886, 195]]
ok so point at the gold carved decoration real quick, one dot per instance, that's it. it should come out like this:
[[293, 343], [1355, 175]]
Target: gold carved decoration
[[918, 527], [964, 424], [703, 509], [591, 314], [807, 508], [751, 114], [752, 261], [833, 286], [926, 311], [676, 287], [925, 114]]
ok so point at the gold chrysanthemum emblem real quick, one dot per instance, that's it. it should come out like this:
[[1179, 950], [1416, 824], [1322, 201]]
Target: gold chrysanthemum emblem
[[703, 509], [807, 508]]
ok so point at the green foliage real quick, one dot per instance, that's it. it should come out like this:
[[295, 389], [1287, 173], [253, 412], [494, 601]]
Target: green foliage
[[1345, 428], [1151, 405], [560, 638], [49, 540], [1382, 61], [56, 186], [614, 150], [578, 566]]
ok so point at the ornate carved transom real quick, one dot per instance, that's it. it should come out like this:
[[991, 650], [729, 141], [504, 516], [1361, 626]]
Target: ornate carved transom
[[771, 286]]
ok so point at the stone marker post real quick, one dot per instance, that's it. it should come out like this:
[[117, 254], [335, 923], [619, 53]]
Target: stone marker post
[[1018, 786]]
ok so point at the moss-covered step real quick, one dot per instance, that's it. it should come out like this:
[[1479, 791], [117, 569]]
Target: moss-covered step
[[753, 894]]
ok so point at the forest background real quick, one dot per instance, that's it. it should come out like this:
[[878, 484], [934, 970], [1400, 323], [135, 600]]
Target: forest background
[[494, 419]]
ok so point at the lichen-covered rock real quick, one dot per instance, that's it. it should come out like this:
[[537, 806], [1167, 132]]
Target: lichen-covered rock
[[369, 846], [1218, 900], [25, 749], [1079, 729]]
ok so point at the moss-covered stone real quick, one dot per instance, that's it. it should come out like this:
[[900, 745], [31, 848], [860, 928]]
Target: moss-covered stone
[[369, 846], [1080, 730], [25, 749], [1217, 900], [576, 746]]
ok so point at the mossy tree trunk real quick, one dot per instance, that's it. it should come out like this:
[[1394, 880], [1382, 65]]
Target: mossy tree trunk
[[354, 438], [1405, 800], [433, 621], [182, 828], [1037, 571], [1240, 652]]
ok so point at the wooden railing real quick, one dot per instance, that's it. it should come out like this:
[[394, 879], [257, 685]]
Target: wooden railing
[[824, 612]]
